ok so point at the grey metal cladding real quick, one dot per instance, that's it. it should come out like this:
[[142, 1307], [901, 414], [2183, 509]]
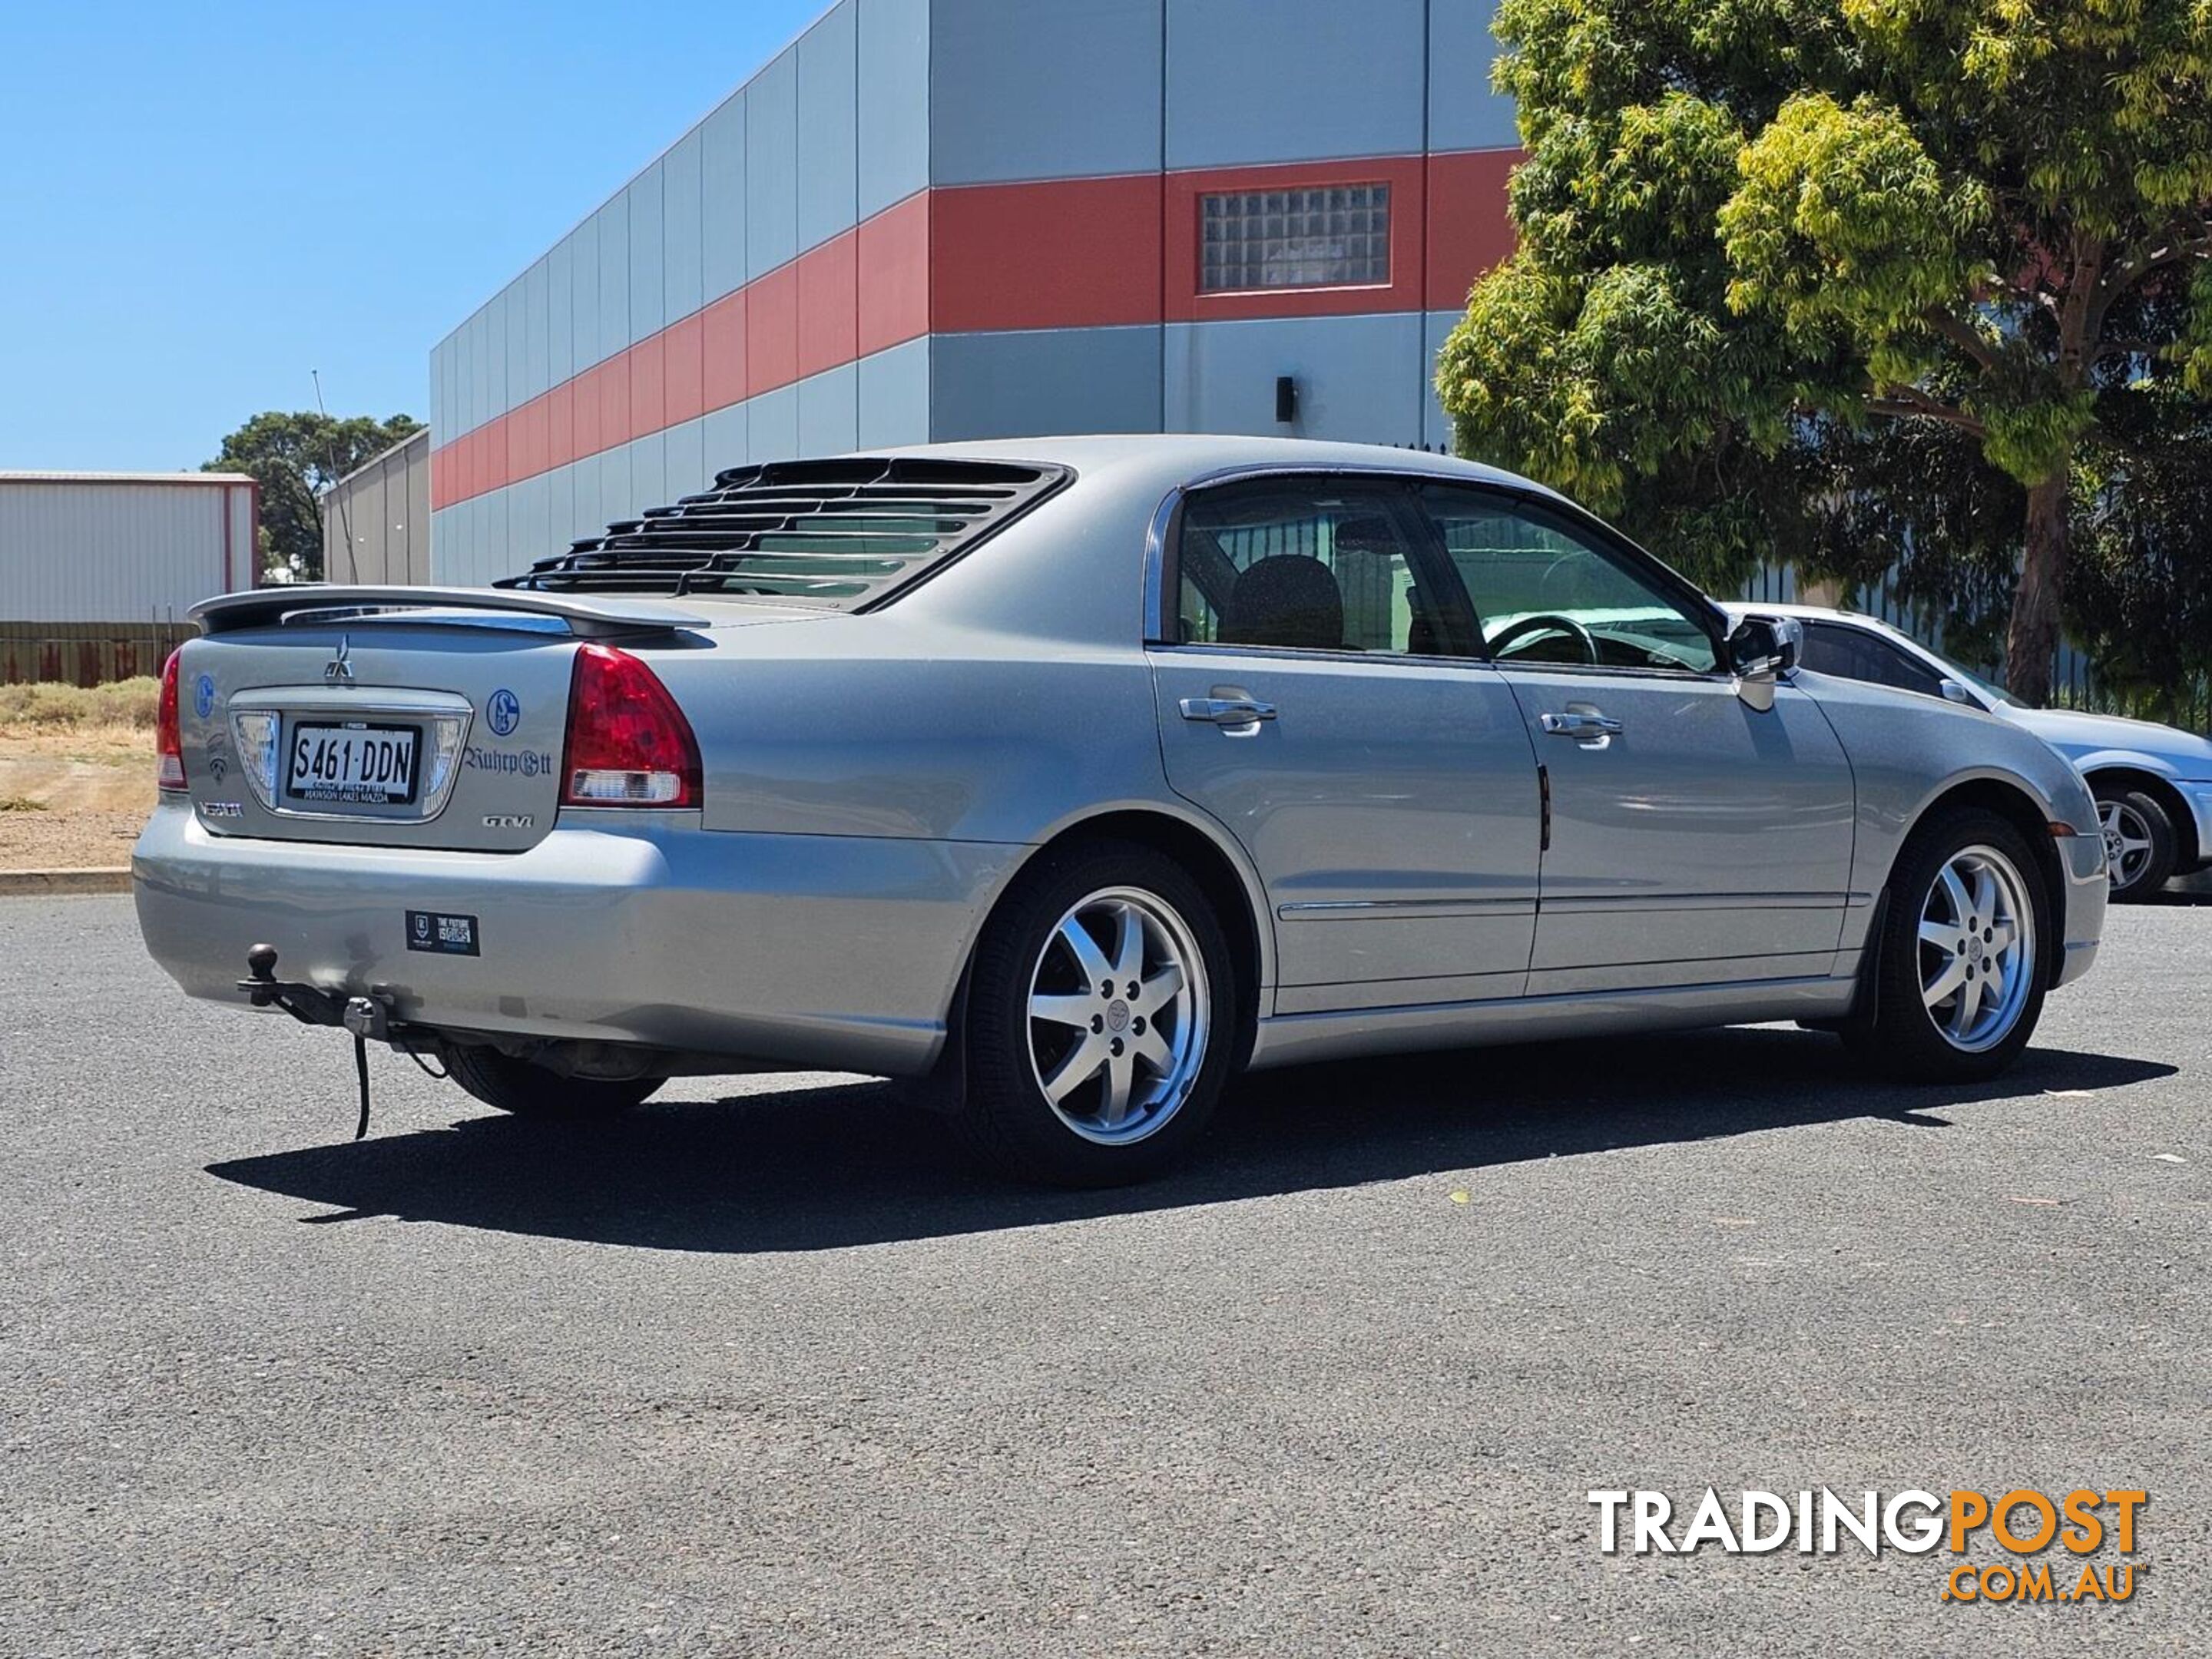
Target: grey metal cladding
[[722, 200], [1360, 377], [1464, 114], [827, 170], [560, 312], [894, 397], [772, 166], [772, 425], [829, 411], [614, 274], [585, 280], [1046, 91], [1003, 385], [1293, 80], [893, 96], [647, 297], [682, 230], [535, 312]]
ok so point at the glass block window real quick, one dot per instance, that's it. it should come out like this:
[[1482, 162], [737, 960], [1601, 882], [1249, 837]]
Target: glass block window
[[1329, 236]]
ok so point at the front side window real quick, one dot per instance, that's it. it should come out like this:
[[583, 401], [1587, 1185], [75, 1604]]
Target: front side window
[[1329, 236], [1853, 653], [1306, 564], [1545, 592]]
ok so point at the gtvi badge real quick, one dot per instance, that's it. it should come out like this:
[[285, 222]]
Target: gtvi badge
[[2022, 1525]]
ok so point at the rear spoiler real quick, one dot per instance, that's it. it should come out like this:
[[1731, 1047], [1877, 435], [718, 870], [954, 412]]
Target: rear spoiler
[[319, 603]]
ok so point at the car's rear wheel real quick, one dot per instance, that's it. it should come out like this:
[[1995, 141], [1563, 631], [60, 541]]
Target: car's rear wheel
[[1960, 971], [2140, 846], [1101, 1014], [534, 1091]]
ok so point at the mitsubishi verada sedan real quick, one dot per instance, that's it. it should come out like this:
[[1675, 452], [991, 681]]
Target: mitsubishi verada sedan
[[1070, 777]]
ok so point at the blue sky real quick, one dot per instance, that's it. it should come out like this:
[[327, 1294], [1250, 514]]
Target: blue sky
[[199, 205]]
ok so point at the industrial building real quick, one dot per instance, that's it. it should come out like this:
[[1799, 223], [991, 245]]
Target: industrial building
[[947, 219], [376, 520], [98, 569]]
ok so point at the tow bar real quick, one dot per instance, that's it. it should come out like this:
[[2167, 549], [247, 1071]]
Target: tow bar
[[312, 1005]]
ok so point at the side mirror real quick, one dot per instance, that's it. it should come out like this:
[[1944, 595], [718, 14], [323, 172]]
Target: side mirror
[[1955, 692], [1759, 652]]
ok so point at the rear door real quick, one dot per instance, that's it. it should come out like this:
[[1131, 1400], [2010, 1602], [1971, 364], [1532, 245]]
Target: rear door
[[1694, 839], [1316, 694]]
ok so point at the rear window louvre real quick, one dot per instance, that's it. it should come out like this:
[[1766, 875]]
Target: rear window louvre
[[844, 534]]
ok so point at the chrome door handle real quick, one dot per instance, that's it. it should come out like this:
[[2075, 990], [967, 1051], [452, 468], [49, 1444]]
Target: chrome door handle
[[1226, 711], [1583, 727]]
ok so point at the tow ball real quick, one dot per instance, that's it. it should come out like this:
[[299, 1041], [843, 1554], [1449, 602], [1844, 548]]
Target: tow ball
[[366, 1017]]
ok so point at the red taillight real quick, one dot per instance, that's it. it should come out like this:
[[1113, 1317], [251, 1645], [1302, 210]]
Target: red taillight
[[168, 740], [629, 743]]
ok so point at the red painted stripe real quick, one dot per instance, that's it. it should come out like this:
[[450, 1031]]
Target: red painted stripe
[[1071, 253], [1062, 254], [828, 334], [1470, 229], [894, 277], [772, 331]]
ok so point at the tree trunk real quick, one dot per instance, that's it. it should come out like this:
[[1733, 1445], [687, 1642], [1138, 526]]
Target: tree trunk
[[2032, 637]]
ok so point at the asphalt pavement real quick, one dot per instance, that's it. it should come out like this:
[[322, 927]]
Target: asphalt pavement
[[770, 1369]]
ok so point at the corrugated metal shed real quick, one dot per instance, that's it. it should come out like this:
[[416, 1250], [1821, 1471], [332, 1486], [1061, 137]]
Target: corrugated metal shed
[[376, 520], [122, 547]]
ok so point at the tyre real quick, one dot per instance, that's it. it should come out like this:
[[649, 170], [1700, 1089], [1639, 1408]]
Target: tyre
[[1101, 1019], [2140, 845], [1960, 961], [532, 1092]]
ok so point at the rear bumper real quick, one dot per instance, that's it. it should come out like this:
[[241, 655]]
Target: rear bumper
[[2088, 891], [836, 951]]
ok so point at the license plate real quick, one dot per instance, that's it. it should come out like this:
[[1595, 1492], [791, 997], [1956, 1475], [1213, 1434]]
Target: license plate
[[351, 764]]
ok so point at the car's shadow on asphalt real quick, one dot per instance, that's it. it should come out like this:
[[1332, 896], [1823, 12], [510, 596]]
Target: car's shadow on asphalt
[[821, 1168]]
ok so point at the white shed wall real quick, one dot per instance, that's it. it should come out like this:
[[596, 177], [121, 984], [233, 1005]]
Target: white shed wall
[[122, 551]]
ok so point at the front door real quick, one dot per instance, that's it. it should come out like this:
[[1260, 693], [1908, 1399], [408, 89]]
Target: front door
[[1318, 696], [1693, 840]]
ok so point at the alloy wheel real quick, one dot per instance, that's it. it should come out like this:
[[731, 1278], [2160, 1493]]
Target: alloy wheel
[[2128, 845], [1977, 948], [1119, 1014]]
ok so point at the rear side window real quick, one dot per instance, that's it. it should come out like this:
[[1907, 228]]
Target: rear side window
[[1853, 653], [847, 534], [1317, 564]]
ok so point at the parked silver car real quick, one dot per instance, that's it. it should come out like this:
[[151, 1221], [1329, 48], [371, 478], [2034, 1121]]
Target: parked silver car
[[1073, 775], [2152, 783]]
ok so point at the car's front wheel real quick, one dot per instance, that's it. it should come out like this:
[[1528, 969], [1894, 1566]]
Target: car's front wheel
[[1100, 1018], [2140, 845], [535, 1091], [1960, 972]]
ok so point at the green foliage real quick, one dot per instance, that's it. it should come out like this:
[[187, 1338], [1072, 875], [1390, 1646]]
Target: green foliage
[[1777, 255], [295, 458]]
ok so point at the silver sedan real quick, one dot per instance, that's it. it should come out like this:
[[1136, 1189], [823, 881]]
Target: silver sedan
[[1072, 776], [2152, 783]]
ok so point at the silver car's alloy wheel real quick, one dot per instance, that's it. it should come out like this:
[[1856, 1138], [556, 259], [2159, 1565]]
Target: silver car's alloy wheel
[[1977, 948], [1118, 1016], [2128, 845]]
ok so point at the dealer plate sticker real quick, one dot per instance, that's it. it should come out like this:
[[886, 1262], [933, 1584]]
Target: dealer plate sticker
[[441, 935]]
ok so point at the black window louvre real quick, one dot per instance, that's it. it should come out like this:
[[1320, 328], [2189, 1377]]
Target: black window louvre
[[848, 534]]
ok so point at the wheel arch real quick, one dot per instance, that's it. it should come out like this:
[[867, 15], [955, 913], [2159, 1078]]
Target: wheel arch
[[2161, 789], [2014, 803], [1213, 861]]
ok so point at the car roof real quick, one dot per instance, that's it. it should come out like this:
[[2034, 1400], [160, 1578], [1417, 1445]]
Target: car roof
[[1191, 455]]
